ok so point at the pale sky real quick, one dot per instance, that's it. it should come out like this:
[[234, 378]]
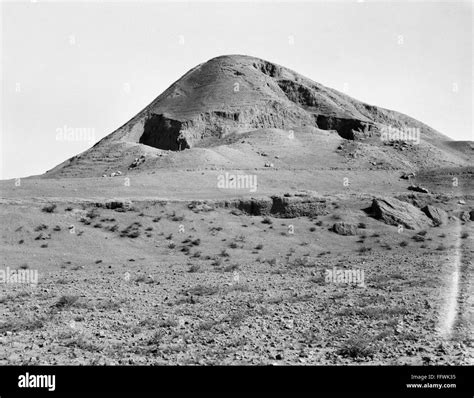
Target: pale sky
[[95, 65]]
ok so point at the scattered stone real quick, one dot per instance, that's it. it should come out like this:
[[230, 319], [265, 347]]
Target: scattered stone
[[407, 176], [465, 216], [344, 228], [418, 188]]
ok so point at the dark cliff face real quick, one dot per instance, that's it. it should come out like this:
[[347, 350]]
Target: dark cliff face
[[163, 133]]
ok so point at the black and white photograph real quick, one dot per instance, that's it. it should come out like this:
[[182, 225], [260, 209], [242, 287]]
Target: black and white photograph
[[268, 189]]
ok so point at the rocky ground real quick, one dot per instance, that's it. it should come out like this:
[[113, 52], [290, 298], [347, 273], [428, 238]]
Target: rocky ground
[[144, 257], [181, 282]]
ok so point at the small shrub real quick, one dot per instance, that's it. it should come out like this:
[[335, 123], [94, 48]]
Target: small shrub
[[194, 268], [355, 348], [41, 227], [177, 218], [267, 220], [49, 208], [113, 228], [92, 213], [231, 268], [217, 262], [418, 238], [240, 238], [66, 302]]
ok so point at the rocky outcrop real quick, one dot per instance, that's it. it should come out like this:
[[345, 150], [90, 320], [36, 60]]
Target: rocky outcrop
[[395, 212], [255, 207], [418, 188], [283, 206], [439, 216], [298, 206], [121, 205]]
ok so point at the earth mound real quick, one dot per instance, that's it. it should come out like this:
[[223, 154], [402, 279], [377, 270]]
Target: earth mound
[[232, 99]]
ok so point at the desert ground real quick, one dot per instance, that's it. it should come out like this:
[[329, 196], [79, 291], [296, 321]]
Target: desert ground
[[163, 279], [248, 215]]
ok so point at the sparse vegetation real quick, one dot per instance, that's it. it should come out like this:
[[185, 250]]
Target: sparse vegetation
[[132, 231], [356, 347]]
